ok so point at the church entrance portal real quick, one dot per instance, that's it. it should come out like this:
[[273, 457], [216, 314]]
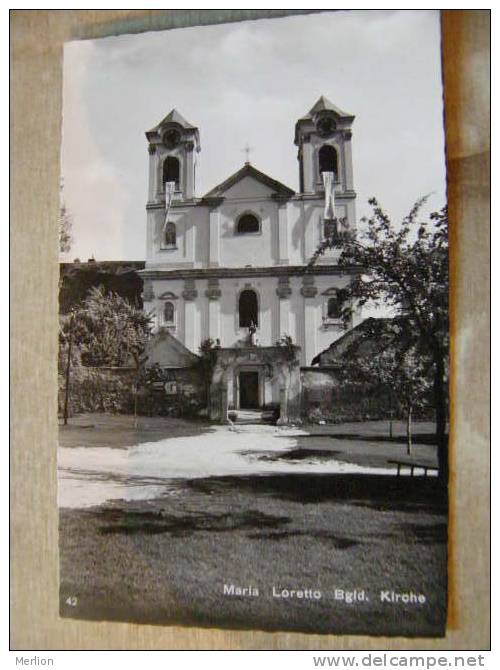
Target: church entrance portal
[[249, 389]]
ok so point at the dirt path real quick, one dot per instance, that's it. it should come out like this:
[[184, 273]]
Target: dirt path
[[93, 475]]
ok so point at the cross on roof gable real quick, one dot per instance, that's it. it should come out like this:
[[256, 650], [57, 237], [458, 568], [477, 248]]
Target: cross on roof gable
[[249, 171]]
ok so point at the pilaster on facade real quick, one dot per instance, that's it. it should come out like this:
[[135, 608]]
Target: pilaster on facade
[[152, 172], [190, 326], [150, 236], [189, 170], [309, 292], [308, 165], [310, 330], [190, 292], [284, 317], [284, 289], [159, 192], [349, 182], [308, 289], [214, 246], [190, 242], [214, 230], [148, 292], [213, 291], [283, 251]]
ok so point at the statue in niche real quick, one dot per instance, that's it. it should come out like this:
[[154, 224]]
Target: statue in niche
[[251, 333]]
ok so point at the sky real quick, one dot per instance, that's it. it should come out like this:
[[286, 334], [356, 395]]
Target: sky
[[249, 82]]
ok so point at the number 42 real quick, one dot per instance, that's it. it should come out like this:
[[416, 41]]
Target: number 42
[[72, 601]]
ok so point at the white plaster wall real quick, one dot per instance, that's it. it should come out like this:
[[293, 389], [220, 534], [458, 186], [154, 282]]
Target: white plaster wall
[[304, 232], [305, 318], [248, 187], [255, 249], [323, 335], [326, 334], [231, 333], [199, 319], [305, 229], [155, 306], [192, 237]]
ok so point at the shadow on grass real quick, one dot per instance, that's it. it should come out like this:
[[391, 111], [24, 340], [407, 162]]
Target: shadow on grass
[[418, 438], [120, 431], [377, 492], [337, 541], [381, 492], [131, 522], [312, 455], [436, 533], [425, 533]]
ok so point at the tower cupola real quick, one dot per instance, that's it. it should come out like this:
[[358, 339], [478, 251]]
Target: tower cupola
[[323, 137], [173, 145]]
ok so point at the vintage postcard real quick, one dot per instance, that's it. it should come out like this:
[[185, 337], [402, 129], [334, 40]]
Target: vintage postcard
[[253, 354]]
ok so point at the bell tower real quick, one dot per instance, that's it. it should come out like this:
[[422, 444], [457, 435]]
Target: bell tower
[[323, 137], [173, 146]]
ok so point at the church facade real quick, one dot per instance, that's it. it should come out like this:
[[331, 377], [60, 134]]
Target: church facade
[[232, 265]]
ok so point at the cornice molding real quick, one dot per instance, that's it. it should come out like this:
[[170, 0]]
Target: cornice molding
[[279, 199], [212, 201], [177, 204], [225, 273]]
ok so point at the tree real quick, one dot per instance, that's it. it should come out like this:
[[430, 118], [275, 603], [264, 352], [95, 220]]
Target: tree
[[65, 227], [395, 370], [406, 267], [65, 360], [290, 363], [207, 362], [108, 330]]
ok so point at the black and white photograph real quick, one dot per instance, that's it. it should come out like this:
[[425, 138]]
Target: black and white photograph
[[254, 343]]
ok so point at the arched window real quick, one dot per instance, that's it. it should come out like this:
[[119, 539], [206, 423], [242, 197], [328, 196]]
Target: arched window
[[171, 170], [168, 313], [328, 160], [248, 223], [170, 235], [337, 301], [334, 307], [248, 309]]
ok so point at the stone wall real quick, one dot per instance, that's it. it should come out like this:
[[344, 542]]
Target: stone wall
[[181, 392], [176, 392]]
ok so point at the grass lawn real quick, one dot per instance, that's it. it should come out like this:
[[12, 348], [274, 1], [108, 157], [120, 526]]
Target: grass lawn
[[166, 560], [367, 443], [120, 431]]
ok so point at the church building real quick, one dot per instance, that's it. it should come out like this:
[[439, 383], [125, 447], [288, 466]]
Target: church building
[[232, 264]]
